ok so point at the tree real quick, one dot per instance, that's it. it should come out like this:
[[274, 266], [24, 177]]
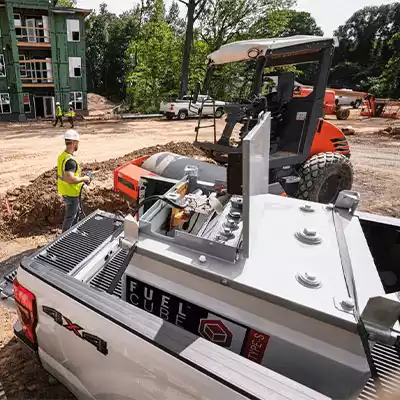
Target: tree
[[174, 20], [66, 3], [97, 37], [155, 74], [364, 50], [388, 84], [225, 20], [107, 40], [283, 23], [194, 10]]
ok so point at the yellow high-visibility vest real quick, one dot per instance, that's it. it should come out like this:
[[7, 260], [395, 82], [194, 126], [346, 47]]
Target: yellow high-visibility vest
[[71, 112], [59, 112], [65, 188]]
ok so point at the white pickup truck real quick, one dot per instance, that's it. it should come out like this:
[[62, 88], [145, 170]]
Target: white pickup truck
[[216, 296], [347, 97], [182, 109]]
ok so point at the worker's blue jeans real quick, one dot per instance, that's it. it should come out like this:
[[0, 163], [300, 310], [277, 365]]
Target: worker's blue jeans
[[71, 212]]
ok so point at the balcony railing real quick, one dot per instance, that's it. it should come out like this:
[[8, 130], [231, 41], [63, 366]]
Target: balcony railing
[[36, 72], [33, 36]]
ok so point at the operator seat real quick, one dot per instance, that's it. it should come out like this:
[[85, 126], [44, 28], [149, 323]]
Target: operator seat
[[277, 104]]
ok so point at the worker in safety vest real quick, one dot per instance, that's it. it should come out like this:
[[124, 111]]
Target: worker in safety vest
[[69, 180], [59, 115], [71, 114]]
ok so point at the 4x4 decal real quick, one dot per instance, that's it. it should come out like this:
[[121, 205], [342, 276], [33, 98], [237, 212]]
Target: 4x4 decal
[[60, 319]]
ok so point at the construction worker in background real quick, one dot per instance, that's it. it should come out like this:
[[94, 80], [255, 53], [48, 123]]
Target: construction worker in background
[[71, 114], [59, 115], [70, 181]]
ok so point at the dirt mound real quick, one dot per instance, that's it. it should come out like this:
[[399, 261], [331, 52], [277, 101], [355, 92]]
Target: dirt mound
[[97, 102], [391, 131], [37, 207], [99, 106]]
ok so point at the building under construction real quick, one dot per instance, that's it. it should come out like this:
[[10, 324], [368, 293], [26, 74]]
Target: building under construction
[[42, 59]]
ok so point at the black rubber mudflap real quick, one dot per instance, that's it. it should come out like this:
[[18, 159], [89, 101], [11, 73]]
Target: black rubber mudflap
[[387, 361]]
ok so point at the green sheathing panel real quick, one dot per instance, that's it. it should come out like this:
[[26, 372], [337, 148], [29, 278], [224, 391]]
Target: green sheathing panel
[[13, 84], [4, 43], [42, 4], [63, 50]]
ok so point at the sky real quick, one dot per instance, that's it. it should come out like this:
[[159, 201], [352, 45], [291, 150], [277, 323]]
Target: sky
[[329, 14]]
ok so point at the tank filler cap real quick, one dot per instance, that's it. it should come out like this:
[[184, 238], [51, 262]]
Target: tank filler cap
[[308, 236], [237, 203], [307, 208], [308, 279], [192, 170]]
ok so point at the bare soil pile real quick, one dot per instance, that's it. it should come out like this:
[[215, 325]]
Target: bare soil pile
[[38, 207], [97, 102], [391, 131]]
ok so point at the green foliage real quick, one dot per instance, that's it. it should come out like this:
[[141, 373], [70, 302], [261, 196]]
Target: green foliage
[[108, 38], [66, 3], [367, 56], [174, 20], [136, 57], [155, 74], [224, 21], [388, 84], [283, 23]]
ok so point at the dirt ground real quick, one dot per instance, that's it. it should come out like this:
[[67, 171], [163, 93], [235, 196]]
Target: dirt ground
[[30, 149], [29, 152]]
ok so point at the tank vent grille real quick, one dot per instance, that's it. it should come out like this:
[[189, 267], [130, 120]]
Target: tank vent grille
[[105, 277], [72, 248], [387, 361]]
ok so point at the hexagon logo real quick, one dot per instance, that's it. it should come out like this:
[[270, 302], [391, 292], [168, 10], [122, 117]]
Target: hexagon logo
[[215, 331]]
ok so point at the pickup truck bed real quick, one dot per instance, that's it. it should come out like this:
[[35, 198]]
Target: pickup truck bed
[[178, 357], [62, 270]]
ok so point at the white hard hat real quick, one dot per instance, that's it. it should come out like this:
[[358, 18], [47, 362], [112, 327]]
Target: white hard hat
[[70, 103], [71, 134], [58, 103]]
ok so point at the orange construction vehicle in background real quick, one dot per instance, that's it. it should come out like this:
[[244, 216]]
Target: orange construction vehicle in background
[[385, 108], [331, 106]]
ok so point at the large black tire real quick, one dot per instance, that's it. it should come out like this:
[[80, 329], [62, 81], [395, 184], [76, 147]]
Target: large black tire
[[342, 114], [324, 176], [182, 115], [219, 112]]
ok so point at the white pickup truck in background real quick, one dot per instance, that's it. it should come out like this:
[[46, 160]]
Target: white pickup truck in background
[[184, 108], [346, 97]]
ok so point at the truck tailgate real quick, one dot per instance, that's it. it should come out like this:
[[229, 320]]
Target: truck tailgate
[[165, 107]]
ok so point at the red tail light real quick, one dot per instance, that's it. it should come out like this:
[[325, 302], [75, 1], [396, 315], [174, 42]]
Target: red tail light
[[172, 107], [27, 312]]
